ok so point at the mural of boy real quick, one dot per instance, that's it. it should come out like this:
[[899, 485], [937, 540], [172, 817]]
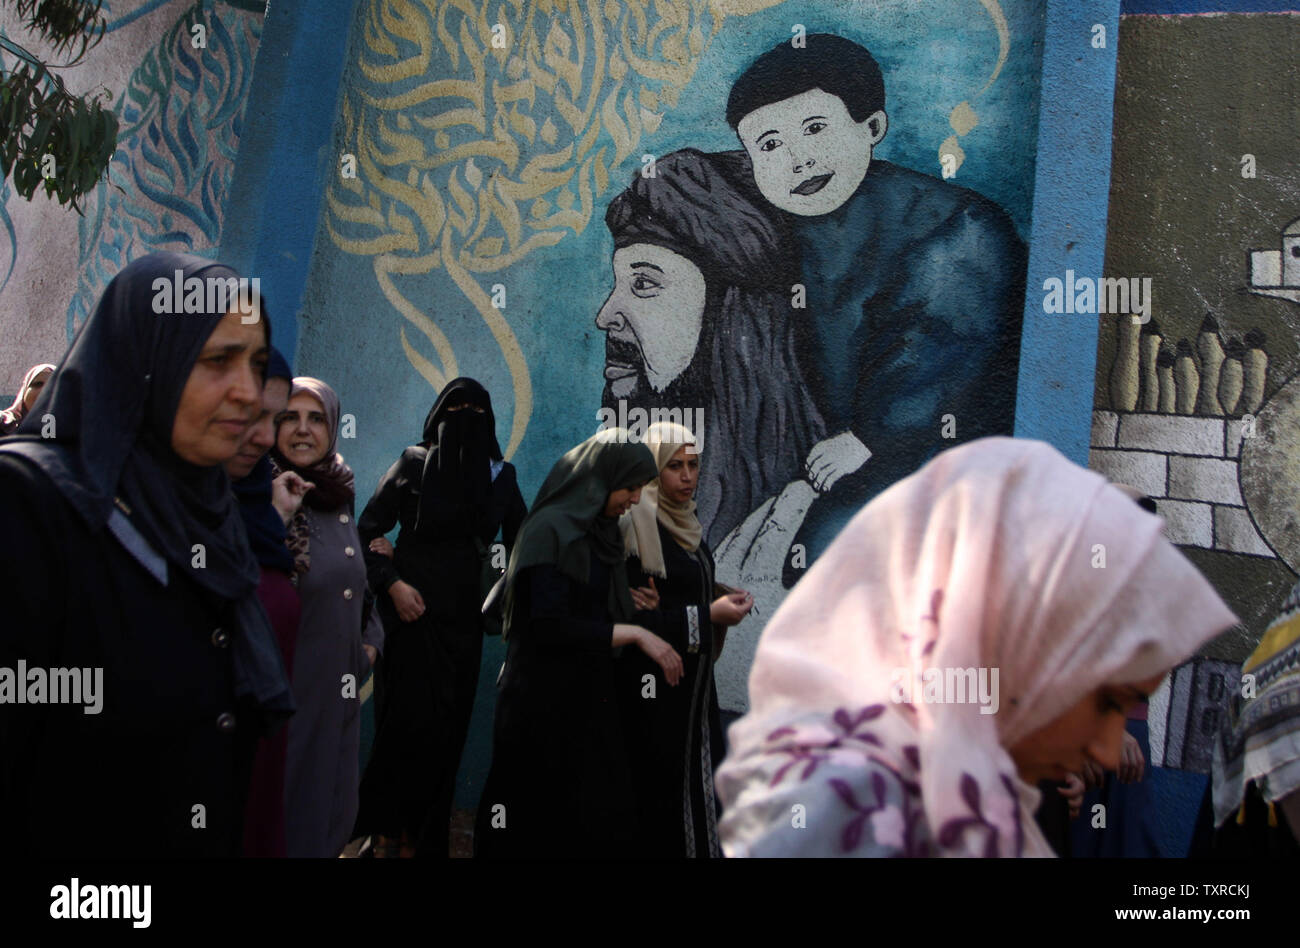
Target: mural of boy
[[913, 286]]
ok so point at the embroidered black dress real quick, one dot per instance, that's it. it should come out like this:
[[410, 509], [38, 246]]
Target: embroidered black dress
[[674, 739]]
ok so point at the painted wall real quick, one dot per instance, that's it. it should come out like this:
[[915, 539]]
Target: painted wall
[[462, 231], [180, 107], [478, 180], [1196, 406], [483, 174]]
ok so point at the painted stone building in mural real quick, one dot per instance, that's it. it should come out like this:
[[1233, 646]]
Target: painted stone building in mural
[[1196, 406]]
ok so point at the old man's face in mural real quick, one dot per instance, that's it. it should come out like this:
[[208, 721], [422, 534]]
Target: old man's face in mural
[[652, 318], [809, 155]]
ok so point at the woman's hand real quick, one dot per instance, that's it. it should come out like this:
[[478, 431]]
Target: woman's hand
[[372, 653], [1073, 792], [646, 598], [287, 492], [407, 600], [1131, 762], [381, 546], [728, 610], [1093, 774], [661, 653]]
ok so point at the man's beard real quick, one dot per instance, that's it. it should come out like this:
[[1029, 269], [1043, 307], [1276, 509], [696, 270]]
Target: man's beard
[[687, 391]]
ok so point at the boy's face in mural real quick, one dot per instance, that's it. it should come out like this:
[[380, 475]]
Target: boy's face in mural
[[651, 320], [809, 155]]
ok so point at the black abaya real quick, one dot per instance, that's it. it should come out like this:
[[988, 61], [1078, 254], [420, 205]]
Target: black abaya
[[560, 783], [428, 674]]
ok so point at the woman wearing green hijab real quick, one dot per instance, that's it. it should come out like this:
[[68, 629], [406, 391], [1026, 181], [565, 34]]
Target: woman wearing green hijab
[[559, 783]]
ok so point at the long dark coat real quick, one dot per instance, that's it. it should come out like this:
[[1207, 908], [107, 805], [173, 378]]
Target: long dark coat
[[560, 785], [426, 681], [162, 770], [674, 733]]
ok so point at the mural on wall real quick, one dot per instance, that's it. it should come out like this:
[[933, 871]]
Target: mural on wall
[[1195, 399], [180, 116], [803, 294], [178, 75], [760, 288]]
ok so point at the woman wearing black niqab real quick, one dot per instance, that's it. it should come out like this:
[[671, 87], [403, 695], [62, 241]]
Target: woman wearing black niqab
[[452, 493], [136, 569]]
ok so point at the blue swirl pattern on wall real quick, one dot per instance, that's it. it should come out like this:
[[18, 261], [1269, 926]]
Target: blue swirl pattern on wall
[[181, 117]]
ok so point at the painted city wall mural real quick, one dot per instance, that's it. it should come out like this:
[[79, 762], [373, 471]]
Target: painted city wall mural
[[177, 75], [611, 212], [1197, 400]]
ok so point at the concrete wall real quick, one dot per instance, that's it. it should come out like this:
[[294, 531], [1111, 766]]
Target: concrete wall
[[180, 113], [1194, 406]]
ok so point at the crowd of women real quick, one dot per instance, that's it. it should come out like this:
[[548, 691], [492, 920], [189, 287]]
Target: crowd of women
[[176, 513], [178, 498]]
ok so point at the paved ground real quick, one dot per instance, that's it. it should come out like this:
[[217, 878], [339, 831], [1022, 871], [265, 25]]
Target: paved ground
[[461, 843]]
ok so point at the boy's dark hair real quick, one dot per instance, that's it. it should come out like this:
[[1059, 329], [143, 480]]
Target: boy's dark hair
[[831, 63]]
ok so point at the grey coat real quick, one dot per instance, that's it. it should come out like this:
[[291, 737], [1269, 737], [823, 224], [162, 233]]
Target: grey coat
[[321, 775]]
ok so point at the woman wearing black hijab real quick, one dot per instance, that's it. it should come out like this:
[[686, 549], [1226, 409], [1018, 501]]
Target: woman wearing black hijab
[[136, 569], [560, 784], [266, 506], [452, 494]]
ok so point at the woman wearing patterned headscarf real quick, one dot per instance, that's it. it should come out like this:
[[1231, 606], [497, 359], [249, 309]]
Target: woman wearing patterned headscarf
[[559, 783], [28, 392], [674, 734], [954, 645], [334, 651], [730, 268], [1255, 774], [452, 493], [135, 572]]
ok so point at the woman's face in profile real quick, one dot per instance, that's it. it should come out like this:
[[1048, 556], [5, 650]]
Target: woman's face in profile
[[1093, 729], [223, 392], [303, 434], [621, 501], [34, 389], [261, 433], [652, 319]]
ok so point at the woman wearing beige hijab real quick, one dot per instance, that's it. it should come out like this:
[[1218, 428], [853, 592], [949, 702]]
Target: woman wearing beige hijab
[[672, 728], [980, 626]]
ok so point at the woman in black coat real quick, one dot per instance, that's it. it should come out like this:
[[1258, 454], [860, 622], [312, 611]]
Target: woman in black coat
[[136, 570], [452, 493], [559, 784], [674, 734]]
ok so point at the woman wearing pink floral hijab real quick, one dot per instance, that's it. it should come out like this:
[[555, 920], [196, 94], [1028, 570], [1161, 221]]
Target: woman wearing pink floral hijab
[[981, 625]]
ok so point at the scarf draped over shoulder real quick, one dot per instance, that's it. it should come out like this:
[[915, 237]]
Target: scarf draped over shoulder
[[114, 398], [640, 525], [334, 483]]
